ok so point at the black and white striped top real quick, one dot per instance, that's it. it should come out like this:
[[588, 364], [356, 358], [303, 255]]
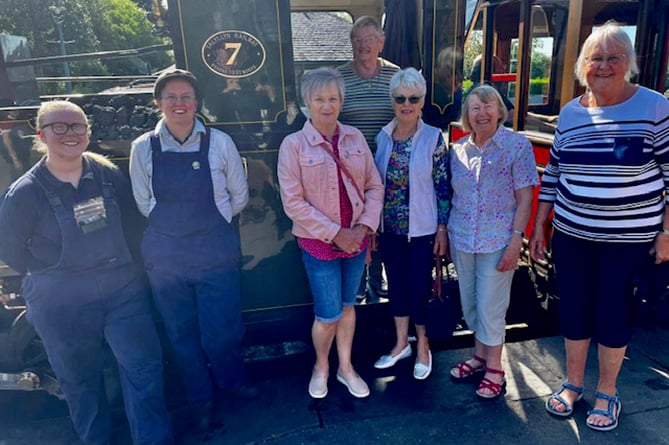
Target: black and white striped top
[[608, 169]]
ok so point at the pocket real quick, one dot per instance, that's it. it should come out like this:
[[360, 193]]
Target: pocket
[[314, 171], [354, 160], [630, 150]]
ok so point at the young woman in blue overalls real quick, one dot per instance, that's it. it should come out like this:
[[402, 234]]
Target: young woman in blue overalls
[[188, 180], [62, 227]]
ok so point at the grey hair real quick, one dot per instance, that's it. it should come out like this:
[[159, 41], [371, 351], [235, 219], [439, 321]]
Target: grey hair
[[408, 78], [319, 78], [486, 94], [610, 34], [365, 21]]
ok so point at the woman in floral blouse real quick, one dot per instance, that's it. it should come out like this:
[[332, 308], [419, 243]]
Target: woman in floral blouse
[[493, 172], [412, 159]]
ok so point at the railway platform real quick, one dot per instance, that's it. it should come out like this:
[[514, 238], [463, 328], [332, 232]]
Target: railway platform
[[401, 410]]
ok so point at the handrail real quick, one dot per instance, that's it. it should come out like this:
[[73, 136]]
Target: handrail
[[87, 56], [96, 78]]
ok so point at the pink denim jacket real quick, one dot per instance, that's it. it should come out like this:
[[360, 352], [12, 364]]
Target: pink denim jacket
[[308, 182]]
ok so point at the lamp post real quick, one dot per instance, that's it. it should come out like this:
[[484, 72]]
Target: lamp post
[[57, 14]]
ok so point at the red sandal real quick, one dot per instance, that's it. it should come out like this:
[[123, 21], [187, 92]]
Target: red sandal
[[496, 389], [464, 370]]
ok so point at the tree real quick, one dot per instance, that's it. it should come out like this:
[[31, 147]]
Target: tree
[[540, 65], [87, 26], [121, 24]]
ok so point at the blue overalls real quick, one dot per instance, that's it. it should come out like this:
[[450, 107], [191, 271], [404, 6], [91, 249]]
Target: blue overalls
[[95, 293], [192, 257]]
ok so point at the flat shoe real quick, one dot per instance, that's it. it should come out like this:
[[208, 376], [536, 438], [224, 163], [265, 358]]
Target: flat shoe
[[318, 385], [496, 389], [569, 409], [421, 371], [463, 370], [388, 360], [356, 385], [613, 401]]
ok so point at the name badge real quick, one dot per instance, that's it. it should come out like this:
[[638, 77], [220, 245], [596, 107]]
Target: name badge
[[91, 215]]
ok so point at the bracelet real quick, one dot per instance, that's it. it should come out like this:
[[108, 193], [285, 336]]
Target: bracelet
[[519, 232], [441, 229]]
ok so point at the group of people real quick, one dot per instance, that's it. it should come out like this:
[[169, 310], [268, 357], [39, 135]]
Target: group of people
[[338, 189], [607, 183], [65, 223], [67, 226]]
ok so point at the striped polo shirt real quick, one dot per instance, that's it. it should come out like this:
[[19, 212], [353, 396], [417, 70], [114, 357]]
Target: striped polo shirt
[[609, 167], [367, 103]]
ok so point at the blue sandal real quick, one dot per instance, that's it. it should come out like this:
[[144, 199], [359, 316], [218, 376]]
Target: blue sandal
[[613, 401], [556, 396]]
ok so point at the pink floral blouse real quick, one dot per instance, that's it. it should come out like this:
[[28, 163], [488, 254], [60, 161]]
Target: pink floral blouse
[[484, 181]]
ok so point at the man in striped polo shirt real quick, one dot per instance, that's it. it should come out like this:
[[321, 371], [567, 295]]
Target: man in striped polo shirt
[[367, 106]]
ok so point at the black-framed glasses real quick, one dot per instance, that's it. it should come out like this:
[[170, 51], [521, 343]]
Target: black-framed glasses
[[60, 128], [412, 99]]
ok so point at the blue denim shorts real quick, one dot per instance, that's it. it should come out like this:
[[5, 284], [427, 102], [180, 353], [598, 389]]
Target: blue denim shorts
[[333, 284]]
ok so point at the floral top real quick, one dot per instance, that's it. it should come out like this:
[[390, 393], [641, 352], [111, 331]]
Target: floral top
[[396, 200], [484, 182]]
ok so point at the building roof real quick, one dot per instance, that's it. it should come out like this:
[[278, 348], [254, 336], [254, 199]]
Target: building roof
[[321, 37]]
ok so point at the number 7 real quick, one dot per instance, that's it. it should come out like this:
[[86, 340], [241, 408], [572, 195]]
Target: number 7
[[233, 57]]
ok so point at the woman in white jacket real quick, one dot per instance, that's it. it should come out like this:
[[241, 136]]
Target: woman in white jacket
[[412, 159]]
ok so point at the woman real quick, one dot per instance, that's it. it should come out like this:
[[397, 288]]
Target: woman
[[415, 212], [62, 226], [493, 172], [605, 182], [188, 180], [332, 192], [367, 79]]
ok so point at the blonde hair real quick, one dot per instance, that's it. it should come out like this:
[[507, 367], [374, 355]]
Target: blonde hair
[[486, 94], [49, 107], [59, 105]]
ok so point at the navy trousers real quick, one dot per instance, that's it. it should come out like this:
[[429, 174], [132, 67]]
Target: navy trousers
[[93, 309]]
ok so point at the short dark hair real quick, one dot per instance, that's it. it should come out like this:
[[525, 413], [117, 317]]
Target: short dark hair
[[171, 74]]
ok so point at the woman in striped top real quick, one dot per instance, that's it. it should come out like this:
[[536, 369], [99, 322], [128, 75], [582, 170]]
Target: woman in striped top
[[608, 169]]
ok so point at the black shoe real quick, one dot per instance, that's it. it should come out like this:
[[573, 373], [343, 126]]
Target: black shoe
[[247, 391]]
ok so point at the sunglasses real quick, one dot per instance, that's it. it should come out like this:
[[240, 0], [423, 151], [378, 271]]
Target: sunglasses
[[412, 99]]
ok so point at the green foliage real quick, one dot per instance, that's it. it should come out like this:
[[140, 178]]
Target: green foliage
[[87, 26], [473, 48], [539, 86], [540, 65]]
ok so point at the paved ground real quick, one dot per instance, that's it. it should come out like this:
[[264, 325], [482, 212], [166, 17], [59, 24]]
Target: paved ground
[[401, 410]]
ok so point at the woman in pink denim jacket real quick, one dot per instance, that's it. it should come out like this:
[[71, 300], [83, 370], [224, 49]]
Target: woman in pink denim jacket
[[334, 206]]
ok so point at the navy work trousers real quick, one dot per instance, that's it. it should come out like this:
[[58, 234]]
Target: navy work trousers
[[90, 309], [201, 309]]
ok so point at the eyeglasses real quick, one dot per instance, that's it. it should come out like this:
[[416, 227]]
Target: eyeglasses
[[613, 59], [488, 108], [412, 99], [366, 40], [174, 99], [60, 128]]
